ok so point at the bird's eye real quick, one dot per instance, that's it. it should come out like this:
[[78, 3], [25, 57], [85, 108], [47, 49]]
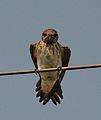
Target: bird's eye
[[44, 34], [55, 35]]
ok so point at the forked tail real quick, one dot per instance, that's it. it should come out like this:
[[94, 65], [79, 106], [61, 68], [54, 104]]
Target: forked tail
[[55, 94]]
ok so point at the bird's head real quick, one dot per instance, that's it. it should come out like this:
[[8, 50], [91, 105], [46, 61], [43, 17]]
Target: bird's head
[[49, 36]]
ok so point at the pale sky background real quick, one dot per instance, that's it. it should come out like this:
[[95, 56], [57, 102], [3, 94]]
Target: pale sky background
[[79, 25]]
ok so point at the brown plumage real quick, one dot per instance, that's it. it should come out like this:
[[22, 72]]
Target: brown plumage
[[48, 53]]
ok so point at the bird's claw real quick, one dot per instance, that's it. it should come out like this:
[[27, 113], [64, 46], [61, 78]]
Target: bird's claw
[[36, 71], [59, 68]]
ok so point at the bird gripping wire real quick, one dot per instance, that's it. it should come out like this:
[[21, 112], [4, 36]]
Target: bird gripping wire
[[50, 69]]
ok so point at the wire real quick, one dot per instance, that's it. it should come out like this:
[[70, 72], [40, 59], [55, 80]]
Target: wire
[[50, 69]]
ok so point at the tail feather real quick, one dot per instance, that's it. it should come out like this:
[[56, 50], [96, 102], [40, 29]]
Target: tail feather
[[55, 94]]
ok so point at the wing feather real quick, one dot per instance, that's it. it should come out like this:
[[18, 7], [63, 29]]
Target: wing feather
[[33, 53], [65, 55]]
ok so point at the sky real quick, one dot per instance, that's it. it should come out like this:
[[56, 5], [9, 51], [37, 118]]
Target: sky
[[78, 23]]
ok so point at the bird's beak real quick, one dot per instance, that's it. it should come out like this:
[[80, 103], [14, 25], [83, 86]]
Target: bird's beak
[[50, 38]]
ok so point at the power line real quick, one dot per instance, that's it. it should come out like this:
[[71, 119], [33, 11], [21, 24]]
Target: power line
[[50, 69]]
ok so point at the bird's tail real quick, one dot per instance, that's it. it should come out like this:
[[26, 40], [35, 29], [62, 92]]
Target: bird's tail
[[55, 94]]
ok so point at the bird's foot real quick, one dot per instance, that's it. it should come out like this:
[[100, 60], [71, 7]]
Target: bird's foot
[[36, 71], [59, 68]]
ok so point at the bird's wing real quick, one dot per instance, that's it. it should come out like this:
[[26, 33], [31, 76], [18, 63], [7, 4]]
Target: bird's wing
[[65, 56], [33, 53]]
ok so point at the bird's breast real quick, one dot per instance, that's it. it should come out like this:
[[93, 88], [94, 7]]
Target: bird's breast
[[49, 57]]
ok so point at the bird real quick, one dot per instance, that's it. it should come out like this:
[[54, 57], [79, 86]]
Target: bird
[[49, 53]]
